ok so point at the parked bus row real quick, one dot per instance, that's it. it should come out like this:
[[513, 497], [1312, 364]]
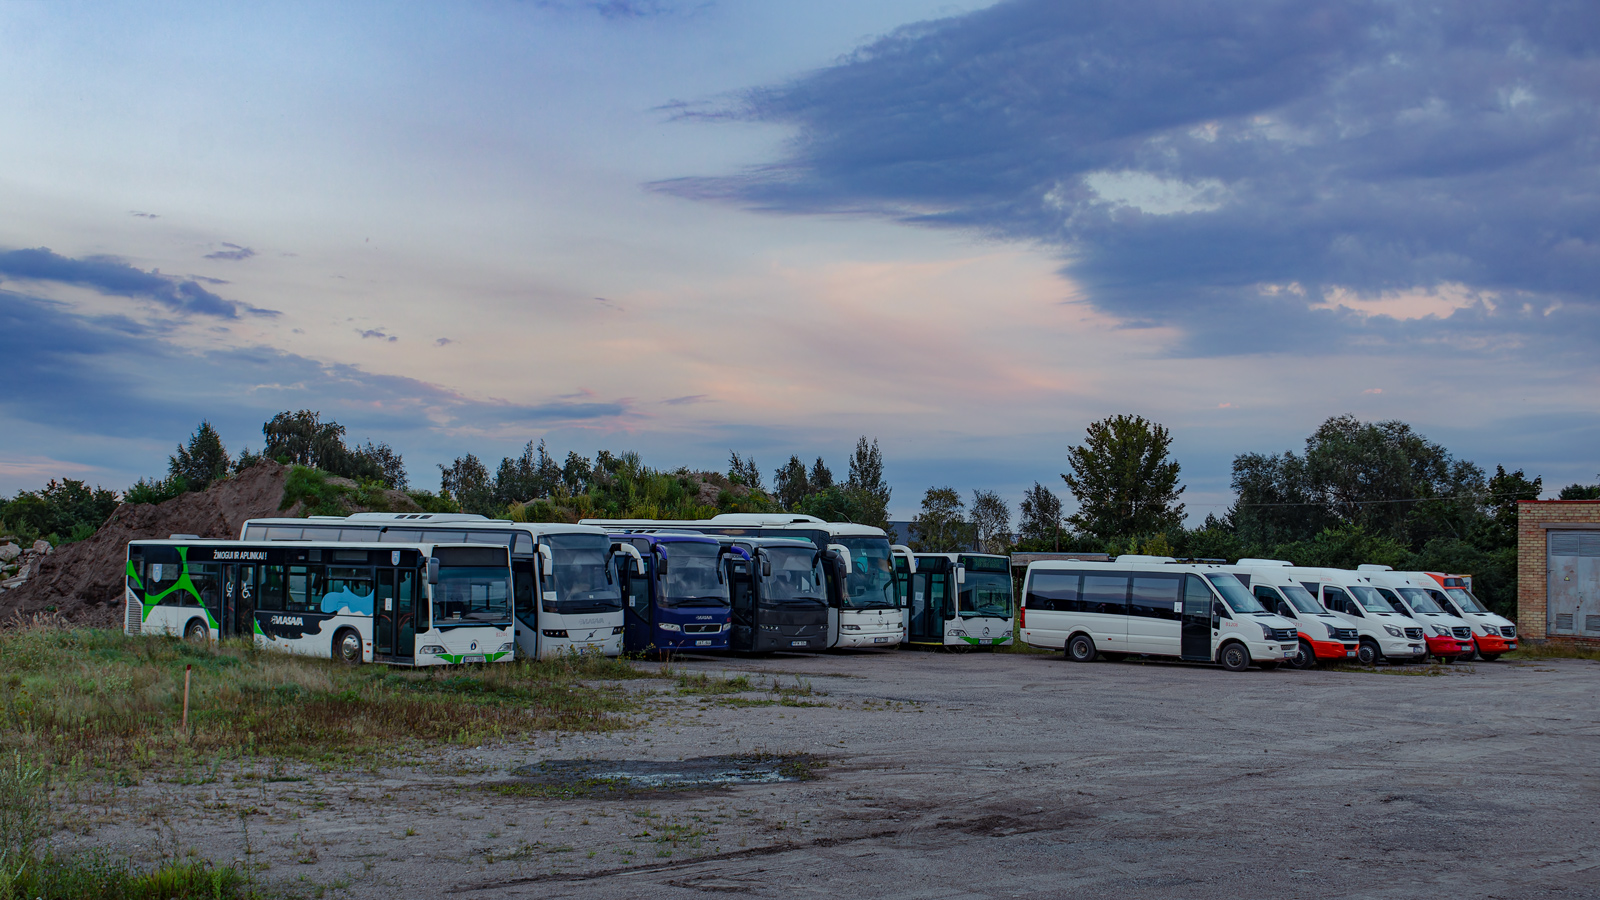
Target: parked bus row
[[1258, 612]]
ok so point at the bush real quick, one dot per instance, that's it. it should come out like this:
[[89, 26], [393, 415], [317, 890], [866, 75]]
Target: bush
[[59, 511], [152, 491]]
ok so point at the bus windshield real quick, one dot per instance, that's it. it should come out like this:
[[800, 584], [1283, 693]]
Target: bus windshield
[[1466, 601], [1301, 599], [1238, 597], [870, 584], [1419, 600], [796, 578], [583, 580], [692, 574], [986, 594], [472, 595], [1369, 599]]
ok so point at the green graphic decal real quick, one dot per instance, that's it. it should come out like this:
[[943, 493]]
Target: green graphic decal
[[184, 583], [977, 642], [460, 658]]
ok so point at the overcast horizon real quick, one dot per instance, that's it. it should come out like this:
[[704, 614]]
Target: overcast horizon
[[965, 229]]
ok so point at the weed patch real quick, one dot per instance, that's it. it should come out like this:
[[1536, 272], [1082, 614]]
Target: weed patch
[[1552, 650]]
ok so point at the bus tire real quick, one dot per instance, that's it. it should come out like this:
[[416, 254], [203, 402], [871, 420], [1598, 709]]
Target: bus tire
[[195, 631], [1307, 658], [1368, 653], [1080, 648], [1234, 657], [347, 647]]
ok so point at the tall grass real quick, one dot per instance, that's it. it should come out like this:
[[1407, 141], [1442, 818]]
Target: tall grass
[[1554, 650], [100, 698]]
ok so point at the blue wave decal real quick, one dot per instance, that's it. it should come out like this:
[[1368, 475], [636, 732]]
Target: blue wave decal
[[346, 600]]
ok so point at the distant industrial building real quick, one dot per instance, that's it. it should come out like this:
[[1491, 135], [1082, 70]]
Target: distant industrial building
[[1558, 570]]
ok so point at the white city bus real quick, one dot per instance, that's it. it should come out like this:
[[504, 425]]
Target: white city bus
[[1152, 606], [865, 606], [960, 600], [409, 604], [566, 591]]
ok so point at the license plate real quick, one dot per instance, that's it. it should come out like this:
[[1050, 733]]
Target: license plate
[[1512, 645], [797, 643], [880, 640], [1350, 654], [702, 643], [985, 640], [477, 658]]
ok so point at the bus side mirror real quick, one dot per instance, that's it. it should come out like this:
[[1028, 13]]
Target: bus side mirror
[[961, 574], [661, 565], [433, 570], [766, 566], [547, 558], [843, 553]]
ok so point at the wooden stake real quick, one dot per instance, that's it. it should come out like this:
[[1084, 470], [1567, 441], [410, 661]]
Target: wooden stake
[[186, 671]]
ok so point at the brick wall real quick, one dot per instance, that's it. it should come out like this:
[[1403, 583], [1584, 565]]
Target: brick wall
[[1532, 578]]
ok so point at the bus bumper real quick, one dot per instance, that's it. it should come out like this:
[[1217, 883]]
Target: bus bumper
[[1329, 649], [890, 637], [1448, 647], [1488, 644]]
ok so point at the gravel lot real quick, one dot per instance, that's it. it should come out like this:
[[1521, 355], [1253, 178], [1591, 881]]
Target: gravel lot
[[953, 775]]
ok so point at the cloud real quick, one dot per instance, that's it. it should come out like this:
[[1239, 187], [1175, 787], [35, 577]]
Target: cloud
[[1182, 158], [626, 9], [687, 400], [442, 342], [142, 215], [377, 333], [110, 275], [235, 252]]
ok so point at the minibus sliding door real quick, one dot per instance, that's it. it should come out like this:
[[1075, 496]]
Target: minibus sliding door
[[1196, 619]]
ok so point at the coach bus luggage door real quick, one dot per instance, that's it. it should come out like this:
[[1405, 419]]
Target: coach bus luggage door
[[1196, 619]]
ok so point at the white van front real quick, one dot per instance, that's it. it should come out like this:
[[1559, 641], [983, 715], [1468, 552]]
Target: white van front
[[1448, 636], [1383, 634]]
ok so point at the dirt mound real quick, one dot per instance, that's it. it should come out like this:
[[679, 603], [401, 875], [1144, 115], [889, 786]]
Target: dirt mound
[[83, 581]]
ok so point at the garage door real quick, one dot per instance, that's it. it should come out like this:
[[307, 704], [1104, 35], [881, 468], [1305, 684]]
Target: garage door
[[1573, 604]]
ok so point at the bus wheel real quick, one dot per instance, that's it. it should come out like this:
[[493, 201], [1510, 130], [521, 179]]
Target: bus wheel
[[196, 631], [1234, 657], [1081, 648], [1307, 658], [1368, 653], [347, 647]]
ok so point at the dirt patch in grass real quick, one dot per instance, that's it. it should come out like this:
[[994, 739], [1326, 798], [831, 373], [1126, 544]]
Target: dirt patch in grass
[[100, 698], [608, 779]]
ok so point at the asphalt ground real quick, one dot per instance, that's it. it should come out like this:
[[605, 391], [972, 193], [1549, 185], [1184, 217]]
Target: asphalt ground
[[944, 775]]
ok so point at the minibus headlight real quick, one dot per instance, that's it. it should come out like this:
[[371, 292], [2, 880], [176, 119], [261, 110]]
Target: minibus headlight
[[1489, 631], [1333, 633], [1266, 632], [1393, 631], [669, 626], [1441, 631]]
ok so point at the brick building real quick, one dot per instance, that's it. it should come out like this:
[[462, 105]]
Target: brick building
[[1558, 570]]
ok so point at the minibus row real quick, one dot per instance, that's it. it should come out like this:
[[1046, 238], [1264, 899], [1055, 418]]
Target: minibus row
[[1257, 612]]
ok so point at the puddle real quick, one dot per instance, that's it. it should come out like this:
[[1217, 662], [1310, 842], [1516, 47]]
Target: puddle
[[628, 777]]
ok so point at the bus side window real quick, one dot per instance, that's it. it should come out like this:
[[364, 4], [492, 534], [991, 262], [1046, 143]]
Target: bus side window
[[522, 574], [298, 598], [270, 596]]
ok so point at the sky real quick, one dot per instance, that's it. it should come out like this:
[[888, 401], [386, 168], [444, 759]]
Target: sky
[[687, 228]]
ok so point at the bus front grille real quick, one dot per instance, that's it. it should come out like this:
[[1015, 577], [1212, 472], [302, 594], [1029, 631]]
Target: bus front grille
[[1508, 631], [1462, 632], [1414, 634], [702, 629], [1345, 634]]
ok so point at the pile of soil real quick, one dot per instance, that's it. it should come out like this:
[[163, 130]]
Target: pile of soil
[[83, 582]]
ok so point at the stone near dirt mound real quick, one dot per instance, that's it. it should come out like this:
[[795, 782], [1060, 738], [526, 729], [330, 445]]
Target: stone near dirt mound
[[84, 581]]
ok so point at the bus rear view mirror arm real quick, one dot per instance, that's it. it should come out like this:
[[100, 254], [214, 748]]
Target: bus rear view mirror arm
[[843, 553], [630, 550]]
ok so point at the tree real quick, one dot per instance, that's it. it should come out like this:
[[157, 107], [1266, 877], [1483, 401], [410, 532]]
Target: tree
[[1040, 527], [377, 462], [1123, 480], [821, 477], [941, 527], [576, 473], [61, 511], [1505, 489], [466, 481], [302, 438], [991, 522], [1276, 501], [867, 485], [744, 471], [790, 484], [833, 504], [203, 462], [1581, 492]]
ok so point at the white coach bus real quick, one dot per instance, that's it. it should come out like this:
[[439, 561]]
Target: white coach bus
[[566, 590], [1152, 606], [415, 604]]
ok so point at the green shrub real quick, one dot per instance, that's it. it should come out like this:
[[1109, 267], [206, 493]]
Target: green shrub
[[156, 491]]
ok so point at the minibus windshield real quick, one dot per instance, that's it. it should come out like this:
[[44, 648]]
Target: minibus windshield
[[1419, 600], [1369, 599], [796, 578], [1466, 601], [1240, 599], [1301, 599], [692, 574]]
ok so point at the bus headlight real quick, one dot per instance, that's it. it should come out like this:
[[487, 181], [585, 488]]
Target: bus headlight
[[554, 632], [617, 630], [849, 627], [434, 649], [669, 626], [506, 647], [1393, 631]]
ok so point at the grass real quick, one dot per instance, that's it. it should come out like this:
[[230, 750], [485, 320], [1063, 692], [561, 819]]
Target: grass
[[702, 683], [1553, 650], [102, 699]]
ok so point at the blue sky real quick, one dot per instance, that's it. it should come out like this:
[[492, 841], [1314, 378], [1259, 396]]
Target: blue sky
[[966, 229]]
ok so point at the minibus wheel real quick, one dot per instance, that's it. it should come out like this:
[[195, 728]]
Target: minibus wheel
[[1267, 666], [1368, 653], [195, 631], [1234, 657], [1488, 657], [1081, 648], [347, 647], [1307, 658]]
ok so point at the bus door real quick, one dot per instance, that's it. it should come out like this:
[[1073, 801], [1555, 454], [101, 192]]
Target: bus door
[[1196, 641], [742, 577], [638, 632], [524, 602], [238, 601], [930, 591], [394, 624]]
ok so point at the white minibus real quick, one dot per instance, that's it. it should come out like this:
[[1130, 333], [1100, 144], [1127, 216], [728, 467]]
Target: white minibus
[[1383, 633], [1324, 636], [1493, 634], [1152, 606], [1449, 637]]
